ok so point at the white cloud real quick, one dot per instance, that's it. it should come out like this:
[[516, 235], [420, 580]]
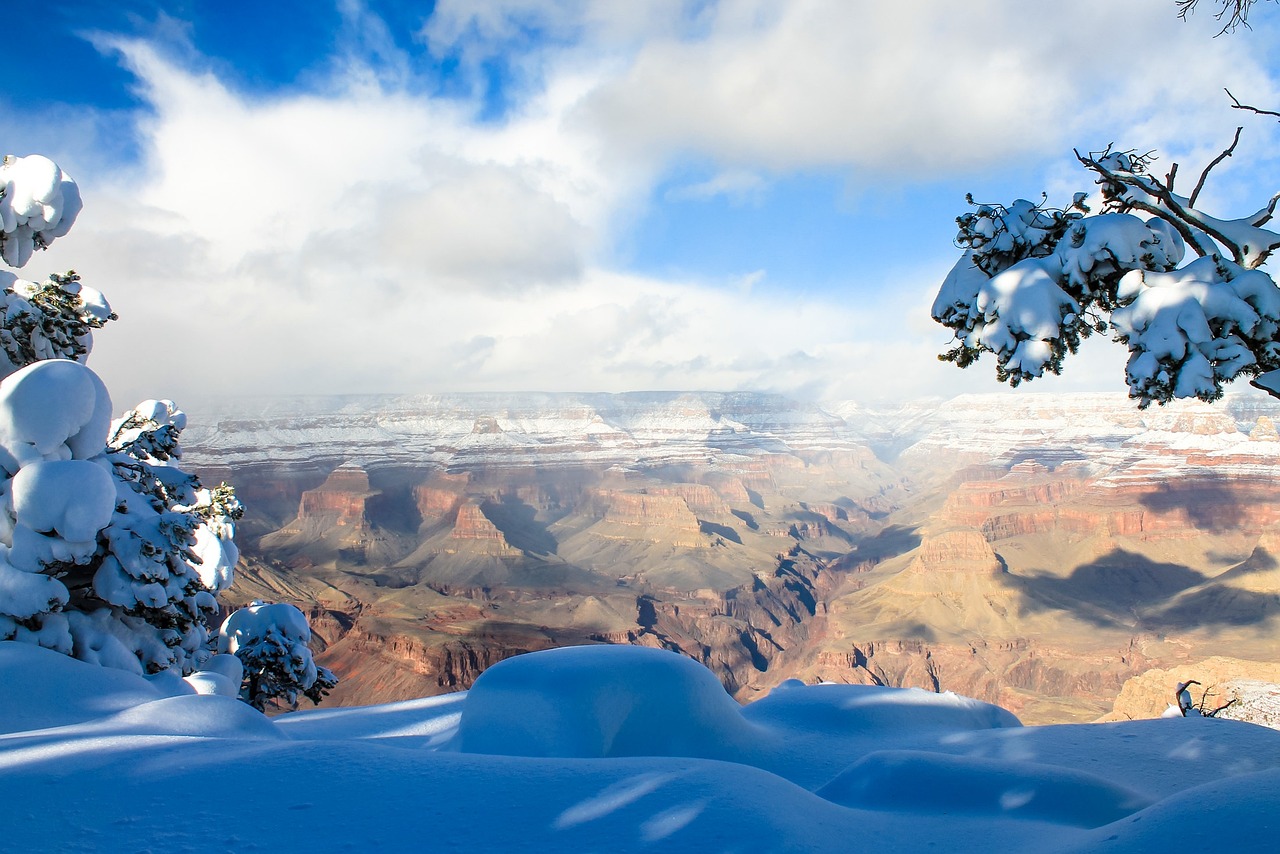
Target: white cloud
[[738, 185], [364, 237], [911, 88]]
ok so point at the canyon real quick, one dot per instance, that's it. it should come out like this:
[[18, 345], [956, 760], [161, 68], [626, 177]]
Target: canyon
[[1036, 551]]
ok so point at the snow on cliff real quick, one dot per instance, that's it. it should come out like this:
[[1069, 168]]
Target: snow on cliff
[[649, 428], [607, 749]]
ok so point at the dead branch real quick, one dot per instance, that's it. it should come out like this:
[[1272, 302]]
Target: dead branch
[[1222, 708], [1235, 103], [1184, 220], [1177, 696], [1191, 201], [1239, 10]]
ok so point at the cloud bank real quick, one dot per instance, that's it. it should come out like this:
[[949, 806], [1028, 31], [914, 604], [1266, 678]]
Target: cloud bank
[[366, 234]]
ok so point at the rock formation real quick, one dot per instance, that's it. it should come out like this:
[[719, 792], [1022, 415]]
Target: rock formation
[[1030, 550]]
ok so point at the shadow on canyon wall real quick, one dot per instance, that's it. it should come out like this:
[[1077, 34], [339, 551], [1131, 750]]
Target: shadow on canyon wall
[[892, 541], [518, 522], [1210, 504], [1123, 589]]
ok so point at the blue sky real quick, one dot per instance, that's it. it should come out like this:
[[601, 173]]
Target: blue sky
[[597, 196]]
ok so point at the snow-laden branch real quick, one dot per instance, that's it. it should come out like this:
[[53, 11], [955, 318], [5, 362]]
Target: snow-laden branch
[[38, 203], [1033, 281], [1128, 185]]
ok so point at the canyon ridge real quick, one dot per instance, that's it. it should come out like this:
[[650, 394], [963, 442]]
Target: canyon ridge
[[1035, 551]]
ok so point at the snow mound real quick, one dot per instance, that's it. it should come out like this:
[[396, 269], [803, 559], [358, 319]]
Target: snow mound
[[847, 709], [194, 715], [916, 781], [602, 701], [43, 688], [1234, 814], [210, 682], [610, 749], [429, 720]]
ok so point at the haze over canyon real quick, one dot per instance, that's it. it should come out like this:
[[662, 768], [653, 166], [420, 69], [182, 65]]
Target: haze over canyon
[[1029, 550]]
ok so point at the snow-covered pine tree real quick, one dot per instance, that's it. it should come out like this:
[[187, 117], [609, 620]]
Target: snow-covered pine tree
[[1034, 280], [273, 644], [108, 550]]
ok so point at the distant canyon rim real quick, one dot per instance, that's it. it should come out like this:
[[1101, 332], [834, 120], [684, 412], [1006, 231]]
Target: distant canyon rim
[[1036, 551]]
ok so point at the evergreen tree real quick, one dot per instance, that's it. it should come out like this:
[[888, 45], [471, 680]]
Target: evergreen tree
[[272, 642], [109, 551]]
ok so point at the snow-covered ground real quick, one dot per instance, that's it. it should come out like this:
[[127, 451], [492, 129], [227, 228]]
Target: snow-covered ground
[[607, 749]]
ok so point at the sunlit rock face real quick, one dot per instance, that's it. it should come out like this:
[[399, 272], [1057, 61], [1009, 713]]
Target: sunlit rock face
[[1031, 550]]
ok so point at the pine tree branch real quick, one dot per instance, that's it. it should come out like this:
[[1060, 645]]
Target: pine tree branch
[[1185, 220]]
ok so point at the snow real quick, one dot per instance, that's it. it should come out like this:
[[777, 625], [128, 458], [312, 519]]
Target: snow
[[1021, 311], [634, 701], [246, 625], [38, 203], [27, 593], [607, 748], [218, 556], [54, 409], [272, 641], [71, 498], [1111, 242], [1186, 327]]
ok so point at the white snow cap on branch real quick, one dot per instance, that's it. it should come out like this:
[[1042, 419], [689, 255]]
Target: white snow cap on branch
[[1021, 312], [38, 202], [1033, 281], [1191, 329], [55, 409]]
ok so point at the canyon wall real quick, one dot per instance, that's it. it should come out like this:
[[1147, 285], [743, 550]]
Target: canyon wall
[[1032, 551]]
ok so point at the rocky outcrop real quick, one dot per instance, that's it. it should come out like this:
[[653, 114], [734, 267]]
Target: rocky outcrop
[[473, 525], [1253, 702], [959, 550], [1222, 679], [1152, 502], [436, 504], [341, 500], [731, 489], [833, 513], [703, 501], [749, 636], [657, 518], [1264, 430], [379, 666], [1017, 674]]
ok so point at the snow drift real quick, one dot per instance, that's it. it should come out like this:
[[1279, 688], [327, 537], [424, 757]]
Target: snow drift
[[607, 748]]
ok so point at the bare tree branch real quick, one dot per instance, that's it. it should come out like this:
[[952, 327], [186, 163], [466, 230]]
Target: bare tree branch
[[1191, 202], [1235, 103], [1191, 224], [1235, 12], [1190, 227], [1222, 708]]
